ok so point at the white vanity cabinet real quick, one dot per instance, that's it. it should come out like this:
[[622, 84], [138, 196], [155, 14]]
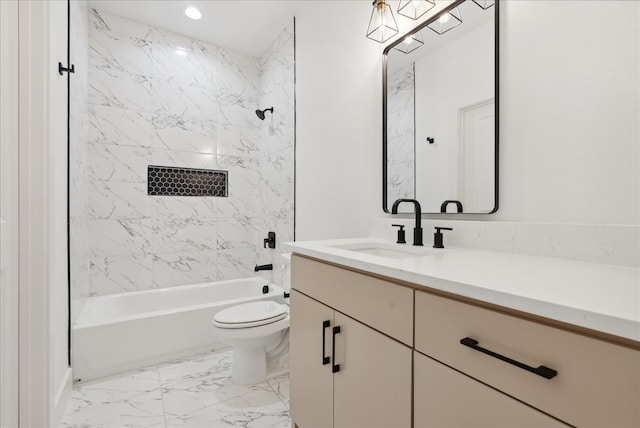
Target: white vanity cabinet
[[344, 373]]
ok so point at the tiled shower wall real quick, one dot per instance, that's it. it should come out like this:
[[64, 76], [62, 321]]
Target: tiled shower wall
[[400, 135], [160, 98], [276, 136]]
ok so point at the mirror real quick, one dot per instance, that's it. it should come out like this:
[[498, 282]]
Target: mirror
[[440, 112]]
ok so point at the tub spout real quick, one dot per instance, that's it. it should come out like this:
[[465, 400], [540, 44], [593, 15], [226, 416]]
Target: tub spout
[[263, 267]]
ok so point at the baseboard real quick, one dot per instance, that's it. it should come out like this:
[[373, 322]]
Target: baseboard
[[62, 396]]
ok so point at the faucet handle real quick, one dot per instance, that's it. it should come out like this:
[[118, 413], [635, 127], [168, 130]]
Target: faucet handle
[[401, 238], [438, 238]]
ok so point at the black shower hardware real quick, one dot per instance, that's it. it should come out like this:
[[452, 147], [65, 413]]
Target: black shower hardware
[[400, 239], [417, 230], [265, 289], [260, 113], [443, 207], [430, 140], [437, 237], [270, 240], [62, 69], [263, 267]]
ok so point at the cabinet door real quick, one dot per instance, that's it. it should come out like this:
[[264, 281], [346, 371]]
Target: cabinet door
[[444, 397], [373, 386], [311, 383]]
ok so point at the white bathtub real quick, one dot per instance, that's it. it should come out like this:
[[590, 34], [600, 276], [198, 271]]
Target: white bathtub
[[132, 330]]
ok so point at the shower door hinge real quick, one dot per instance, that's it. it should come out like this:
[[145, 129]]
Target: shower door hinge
[[62, 69]]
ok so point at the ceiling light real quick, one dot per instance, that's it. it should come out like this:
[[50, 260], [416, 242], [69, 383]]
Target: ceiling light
[[446, 21], [410, 43], [382, 25], [414, 9], [192, 13], [485, 4]]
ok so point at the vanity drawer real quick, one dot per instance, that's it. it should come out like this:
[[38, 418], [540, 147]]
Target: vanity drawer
[[597, 383], [382, 305], [445, 398]]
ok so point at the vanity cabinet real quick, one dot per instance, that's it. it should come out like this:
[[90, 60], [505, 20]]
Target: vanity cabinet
[[344, 373], [582, 381], [470, 364]]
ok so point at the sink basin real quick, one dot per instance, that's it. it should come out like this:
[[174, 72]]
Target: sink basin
[[391, 251]]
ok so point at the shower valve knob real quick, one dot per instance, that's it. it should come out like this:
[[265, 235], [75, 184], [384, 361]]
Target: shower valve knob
[[270, 240]]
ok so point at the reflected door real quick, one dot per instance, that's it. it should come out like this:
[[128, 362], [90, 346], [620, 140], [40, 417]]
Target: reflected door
[[477, 156]]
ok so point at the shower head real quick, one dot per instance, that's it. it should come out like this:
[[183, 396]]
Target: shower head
[[260, 113]]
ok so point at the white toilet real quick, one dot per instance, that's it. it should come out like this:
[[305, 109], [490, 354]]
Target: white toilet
[[253, 330]]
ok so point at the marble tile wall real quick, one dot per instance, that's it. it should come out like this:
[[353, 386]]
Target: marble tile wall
[[78, 165], [160, 98], [400, 135], [277, 142]]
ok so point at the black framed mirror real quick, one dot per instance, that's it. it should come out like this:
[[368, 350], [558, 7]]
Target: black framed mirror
[[440, 112]]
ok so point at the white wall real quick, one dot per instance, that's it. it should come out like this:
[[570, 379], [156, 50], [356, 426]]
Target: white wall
[[338, 120], [569, 116], [44, 375], [57, 195], [569, 112], [9, 216]]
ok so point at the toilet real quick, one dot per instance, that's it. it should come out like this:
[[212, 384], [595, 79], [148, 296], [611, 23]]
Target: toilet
[[253, 330]]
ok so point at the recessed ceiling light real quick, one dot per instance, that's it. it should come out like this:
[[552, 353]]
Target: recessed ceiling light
[[193, 13]]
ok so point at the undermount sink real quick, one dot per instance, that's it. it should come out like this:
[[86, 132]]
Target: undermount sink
[[384, 249]]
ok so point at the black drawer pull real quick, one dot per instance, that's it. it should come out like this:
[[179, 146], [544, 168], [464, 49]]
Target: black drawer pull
[[325, 358], [335, 368], [543, 371]]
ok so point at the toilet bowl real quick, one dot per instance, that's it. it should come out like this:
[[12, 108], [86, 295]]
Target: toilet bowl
[[253, 330]]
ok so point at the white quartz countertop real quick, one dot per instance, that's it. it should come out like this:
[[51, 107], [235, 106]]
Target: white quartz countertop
[[599, 297]]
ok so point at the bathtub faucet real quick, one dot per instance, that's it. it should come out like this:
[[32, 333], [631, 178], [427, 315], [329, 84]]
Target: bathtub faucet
[[263, 267]]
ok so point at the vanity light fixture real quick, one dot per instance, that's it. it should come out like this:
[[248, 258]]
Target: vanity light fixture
[[446, 21], [192, 13], [382, 25], [414, 9], [410, 43], [485, 4]]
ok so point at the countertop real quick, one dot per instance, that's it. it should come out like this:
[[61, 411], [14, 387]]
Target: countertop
[[599, 297]]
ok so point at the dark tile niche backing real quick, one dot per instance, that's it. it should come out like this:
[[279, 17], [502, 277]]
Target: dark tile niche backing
[[177, 181]]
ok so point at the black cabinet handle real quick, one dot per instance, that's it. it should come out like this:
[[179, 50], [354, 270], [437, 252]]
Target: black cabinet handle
[[335, 368], [543, 371], [325, 359]]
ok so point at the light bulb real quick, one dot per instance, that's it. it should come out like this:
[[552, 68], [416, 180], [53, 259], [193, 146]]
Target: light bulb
[[444, 18], [408, 40], [192, 13]]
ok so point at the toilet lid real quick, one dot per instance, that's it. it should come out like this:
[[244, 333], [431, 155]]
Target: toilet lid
[[250, 314]]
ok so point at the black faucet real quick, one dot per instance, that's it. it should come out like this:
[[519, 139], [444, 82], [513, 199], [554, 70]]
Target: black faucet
[[437, 237], [443, 207], [417, 230]]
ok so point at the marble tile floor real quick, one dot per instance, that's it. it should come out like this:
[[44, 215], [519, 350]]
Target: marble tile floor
[[194, 392]]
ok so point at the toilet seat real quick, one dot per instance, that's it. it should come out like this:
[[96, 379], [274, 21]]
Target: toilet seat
[[252, 314]]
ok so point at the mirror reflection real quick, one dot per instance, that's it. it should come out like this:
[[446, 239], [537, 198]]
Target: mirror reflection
[[440, 137]]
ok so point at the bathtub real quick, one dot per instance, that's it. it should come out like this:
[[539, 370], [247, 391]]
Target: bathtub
[[128, 331]]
